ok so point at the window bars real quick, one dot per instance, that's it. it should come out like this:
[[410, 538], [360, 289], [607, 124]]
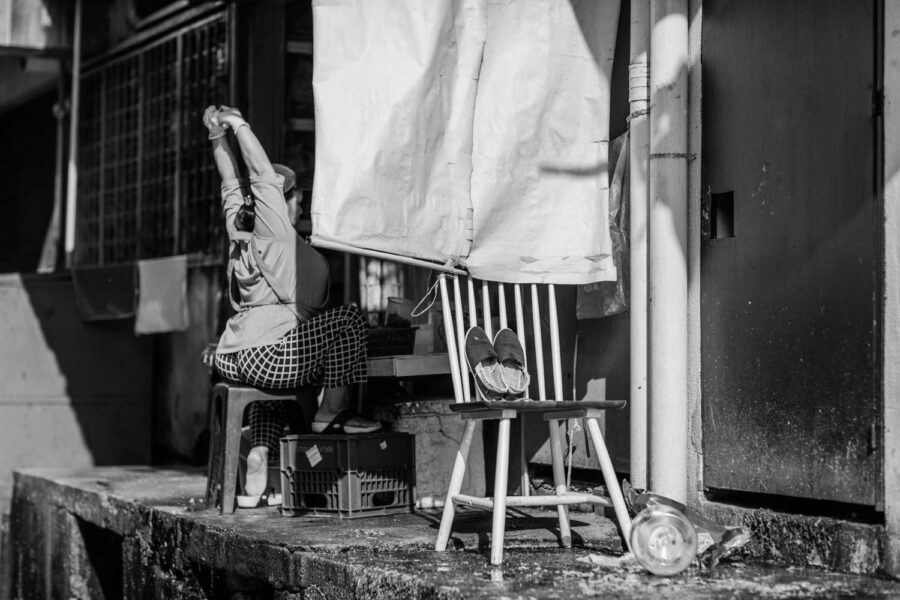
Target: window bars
[[147, 182]]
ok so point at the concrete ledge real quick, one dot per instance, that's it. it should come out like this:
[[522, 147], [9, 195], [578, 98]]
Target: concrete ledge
[[168, 539], [141, 533], [802, 540]]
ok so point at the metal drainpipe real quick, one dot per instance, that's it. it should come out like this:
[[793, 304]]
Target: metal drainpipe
[[72, 172], [638, 161], [668, 410]]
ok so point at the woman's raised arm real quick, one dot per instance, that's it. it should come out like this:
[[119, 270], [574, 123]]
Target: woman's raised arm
[[222, 152], [255, 157]]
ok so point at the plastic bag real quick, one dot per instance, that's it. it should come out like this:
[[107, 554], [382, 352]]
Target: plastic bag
[[606, 298]]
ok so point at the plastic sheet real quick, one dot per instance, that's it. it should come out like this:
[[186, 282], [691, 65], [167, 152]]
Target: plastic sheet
[[467, 130], [540, 180], [605, 298], [394, 84]]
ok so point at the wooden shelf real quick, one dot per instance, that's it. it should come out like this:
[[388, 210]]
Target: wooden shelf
[[409, 365], [297, 47]]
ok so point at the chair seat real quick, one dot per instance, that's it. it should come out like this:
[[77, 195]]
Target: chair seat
[[237, 389], [534, 406]]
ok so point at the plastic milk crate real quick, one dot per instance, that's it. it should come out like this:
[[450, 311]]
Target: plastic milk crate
[[348, 475]]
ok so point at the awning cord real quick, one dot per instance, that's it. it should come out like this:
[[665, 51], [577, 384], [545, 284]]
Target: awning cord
[[431, 293]]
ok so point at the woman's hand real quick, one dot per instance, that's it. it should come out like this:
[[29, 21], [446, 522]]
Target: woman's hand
[[231, 117], [211, 121]]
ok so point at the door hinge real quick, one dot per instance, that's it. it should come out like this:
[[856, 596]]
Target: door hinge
[[873, 438]]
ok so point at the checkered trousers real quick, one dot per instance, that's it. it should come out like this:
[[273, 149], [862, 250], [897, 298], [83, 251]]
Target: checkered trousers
[[327, 350]]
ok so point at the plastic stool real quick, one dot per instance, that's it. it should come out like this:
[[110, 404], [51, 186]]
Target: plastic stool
[[226, 416]]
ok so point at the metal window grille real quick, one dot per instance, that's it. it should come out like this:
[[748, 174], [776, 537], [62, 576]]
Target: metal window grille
[[147, 182]]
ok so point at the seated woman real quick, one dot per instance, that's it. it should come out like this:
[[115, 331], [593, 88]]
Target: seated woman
[[272, 341]]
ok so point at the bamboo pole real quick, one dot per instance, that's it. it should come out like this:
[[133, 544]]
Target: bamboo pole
[[319, 242]]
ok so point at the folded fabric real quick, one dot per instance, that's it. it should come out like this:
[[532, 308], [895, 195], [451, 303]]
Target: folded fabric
[[104, 292], [162, 295]]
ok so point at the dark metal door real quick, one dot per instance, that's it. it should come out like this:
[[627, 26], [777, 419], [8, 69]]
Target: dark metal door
[[789, 261]]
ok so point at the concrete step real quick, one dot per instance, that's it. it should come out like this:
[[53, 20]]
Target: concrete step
[[143, 533]]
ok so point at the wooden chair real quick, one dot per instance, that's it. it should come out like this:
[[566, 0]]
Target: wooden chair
[[554, 410]]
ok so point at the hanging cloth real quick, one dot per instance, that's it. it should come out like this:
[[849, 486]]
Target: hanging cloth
[[394, 84], [467, 130], [162, 295], [103, 293], [540, 182]]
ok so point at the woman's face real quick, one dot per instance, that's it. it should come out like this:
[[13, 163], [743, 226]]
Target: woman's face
[[293, 206]]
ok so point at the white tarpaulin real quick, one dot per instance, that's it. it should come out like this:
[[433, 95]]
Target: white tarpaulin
[[540, 185], [394, 84], [513, 180]]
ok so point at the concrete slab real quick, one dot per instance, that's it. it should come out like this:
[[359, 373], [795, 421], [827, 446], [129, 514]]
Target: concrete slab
[[172, 547], [438, 432]]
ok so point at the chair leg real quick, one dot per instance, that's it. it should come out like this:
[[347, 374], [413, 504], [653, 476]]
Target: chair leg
[[609, 476], [216, 444], [233, 420], [456, 480], [501, 475], [559, 480], [523, 462]]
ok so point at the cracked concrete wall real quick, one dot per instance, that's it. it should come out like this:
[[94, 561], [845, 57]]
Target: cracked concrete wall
[[76, 394], [438, 432]]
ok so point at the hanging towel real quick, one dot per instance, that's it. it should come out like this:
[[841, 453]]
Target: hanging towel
[[104, 292], [162, 295]]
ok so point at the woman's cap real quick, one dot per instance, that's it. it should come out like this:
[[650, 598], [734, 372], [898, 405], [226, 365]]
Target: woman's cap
[[290, 178]]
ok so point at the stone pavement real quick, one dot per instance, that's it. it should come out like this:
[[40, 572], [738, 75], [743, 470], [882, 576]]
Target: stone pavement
[[139, 532]]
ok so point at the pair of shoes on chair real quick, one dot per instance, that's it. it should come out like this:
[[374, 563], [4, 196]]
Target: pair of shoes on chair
[[498, 366]]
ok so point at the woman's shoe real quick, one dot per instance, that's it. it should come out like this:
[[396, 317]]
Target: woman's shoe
[[260, 501], [484, 363], [512, 362]]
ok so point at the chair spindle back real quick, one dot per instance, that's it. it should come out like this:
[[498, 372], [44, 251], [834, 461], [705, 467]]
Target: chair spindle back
[[456, 300]]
